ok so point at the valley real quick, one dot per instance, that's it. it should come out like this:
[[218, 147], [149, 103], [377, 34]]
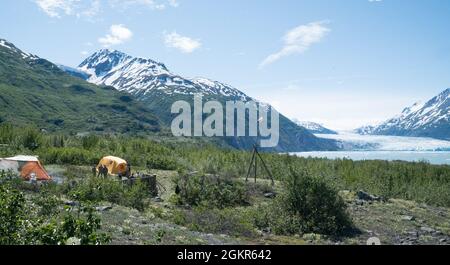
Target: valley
[[353, 186]]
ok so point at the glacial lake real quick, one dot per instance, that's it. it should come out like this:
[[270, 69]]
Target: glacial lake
[[370, 147], [433, 157]]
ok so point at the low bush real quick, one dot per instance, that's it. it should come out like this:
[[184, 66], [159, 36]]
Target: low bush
[[95, 189], [13, 221], [229, 221], [68, 155], [308, 205], [73, 229], [37, 222], [211, 191], [161, 162]]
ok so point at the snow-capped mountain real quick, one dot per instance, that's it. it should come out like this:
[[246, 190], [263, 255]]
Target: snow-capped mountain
[[153, 83], [313, 127], [141, 76], [13, 49], [429, 119]]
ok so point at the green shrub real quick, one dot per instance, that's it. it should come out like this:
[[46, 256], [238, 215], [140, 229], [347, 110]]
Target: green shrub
[[68, 156], [161, 162], [211, 191], [82, 226], [31, 139], [136, 196], [94, 189], [47, 202], [22, 223], [308, 205], [7, 133], [12, 216], [229, 221], [90, 141]]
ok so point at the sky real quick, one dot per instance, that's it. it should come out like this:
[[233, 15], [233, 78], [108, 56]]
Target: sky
[[341, 63]]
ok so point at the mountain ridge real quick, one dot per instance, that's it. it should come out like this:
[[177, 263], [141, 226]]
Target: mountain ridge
[[428, 119]]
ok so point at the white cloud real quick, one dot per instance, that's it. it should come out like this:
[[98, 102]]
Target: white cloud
[[152, 4], [298, 40], [182, 43], [91, 8], [118, 34], [79, 8], [84, 53], [53, 8], [173, 3]]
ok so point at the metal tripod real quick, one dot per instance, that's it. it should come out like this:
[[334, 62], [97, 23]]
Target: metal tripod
[[254, 165]]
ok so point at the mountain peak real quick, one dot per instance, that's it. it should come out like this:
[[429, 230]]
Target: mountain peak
[[104, 62], [140, 76], [110, 52], [446, 92], [429, 119], [6, 44], [11, 48]]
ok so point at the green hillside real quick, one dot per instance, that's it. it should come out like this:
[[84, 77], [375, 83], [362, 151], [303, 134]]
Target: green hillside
[[35, 91]]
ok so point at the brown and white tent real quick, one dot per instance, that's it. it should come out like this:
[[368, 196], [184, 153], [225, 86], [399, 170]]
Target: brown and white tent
[[25, 167]]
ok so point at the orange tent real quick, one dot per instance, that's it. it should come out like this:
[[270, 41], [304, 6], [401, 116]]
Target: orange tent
[[25, 166], [34, 168]]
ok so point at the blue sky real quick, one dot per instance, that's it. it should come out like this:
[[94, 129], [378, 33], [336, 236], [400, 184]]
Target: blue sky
[[343, 63]]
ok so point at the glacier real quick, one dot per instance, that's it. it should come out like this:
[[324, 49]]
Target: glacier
[[353, 141]]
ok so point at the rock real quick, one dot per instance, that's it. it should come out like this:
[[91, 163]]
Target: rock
[[413, 233], [311, 237], [442, 214], [270, 195], [72, 241], [407, 218], [427, 229], [443, 240], [71, 203], [437, 233], [359, 202], [266, 230], [157, 199], [103, 208], [362, 195]]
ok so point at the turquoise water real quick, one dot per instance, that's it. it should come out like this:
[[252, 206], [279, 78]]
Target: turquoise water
[[433, 157]]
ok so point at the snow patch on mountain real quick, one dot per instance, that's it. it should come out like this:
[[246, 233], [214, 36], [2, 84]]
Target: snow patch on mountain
[[141, 76], [314, 127], [14, 49], [431, 119]]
